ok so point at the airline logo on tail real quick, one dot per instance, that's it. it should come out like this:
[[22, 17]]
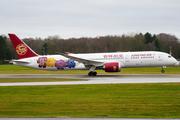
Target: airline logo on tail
[[21, 49]]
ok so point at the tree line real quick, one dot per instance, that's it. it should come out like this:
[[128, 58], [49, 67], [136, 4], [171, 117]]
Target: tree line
[[123, 43]]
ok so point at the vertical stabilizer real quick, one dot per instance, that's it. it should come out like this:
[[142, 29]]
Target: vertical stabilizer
[[22, 50]]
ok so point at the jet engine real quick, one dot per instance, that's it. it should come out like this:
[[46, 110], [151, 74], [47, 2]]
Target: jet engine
[[112, 67]]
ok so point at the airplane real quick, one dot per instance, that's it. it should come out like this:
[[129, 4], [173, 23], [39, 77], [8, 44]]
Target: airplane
[[110, 62]]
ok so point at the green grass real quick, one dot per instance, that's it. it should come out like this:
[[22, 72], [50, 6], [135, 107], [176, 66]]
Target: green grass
[[13, 69], [37, 80], [112, 100]]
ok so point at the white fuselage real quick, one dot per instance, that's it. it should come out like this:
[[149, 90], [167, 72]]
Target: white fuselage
[[126, 59]]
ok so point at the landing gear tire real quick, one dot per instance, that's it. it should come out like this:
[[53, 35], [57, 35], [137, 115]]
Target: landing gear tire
[[92, 73], [162, 71]]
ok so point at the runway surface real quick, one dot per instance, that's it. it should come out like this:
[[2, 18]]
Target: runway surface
[[100, 79]]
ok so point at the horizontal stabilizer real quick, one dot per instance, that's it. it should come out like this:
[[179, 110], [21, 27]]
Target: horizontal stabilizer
[[20, 61]]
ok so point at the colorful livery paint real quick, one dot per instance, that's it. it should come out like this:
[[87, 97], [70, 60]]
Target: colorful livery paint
[[110, 62]]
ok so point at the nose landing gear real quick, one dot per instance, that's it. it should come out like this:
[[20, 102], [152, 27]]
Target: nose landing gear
[[163, 67]]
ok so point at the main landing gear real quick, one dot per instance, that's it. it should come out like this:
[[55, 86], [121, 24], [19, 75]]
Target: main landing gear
[[163, 69], [92, 73]]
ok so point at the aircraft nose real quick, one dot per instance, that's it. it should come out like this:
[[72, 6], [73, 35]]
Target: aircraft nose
[[174, 61], [177, 63]]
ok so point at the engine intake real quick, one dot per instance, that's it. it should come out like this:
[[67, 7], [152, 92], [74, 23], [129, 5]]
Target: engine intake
[[112, 67]]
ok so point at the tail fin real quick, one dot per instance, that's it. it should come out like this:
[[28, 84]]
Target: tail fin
[[22, 50]]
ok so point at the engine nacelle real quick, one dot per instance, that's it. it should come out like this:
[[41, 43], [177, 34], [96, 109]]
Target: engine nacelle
[[112, 67]]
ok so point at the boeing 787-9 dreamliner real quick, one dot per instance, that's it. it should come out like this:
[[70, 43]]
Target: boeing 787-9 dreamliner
[[110, 62]]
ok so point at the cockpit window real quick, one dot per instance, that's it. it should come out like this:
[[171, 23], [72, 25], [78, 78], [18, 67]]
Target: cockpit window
[[169, 56]]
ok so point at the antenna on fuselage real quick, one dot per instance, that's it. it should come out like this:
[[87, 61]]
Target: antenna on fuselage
[[170, 47]]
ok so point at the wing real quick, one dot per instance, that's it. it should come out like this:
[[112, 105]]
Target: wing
[[85, 61]]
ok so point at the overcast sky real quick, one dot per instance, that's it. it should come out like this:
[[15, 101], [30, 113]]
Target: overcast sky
[[88, 18]]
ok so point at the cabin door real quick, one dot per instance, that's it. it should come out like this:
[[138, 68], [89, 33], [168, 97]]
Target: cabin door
[[127, 58], [160, 57]]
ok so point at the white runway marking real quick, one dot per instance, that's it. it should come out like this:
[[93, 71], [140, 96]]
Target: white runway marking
[[101, 79]]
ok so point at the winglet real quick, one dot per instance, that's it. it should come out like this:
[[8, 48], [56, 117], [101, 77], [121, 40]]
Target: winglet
[[22, 50], [68, 53]]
